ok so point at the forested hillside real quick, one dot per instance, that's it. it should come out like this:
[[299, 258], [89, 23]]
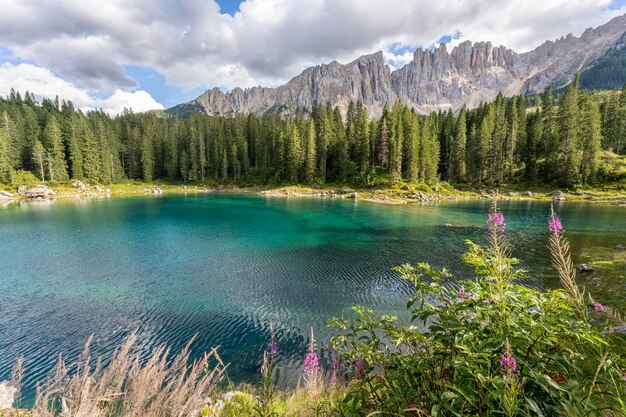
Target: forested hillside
[[503, 141]]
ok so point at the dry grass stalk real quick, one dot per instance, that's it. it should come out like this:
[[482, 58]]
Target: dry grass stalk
[[159, 386]]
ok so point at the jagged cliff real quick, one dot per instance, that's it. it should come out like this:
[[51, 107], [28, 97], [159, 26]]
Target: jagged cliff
[[434, 79]]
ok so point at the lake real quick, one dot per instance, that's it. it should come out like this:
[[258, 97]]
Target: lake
[[223, 266]]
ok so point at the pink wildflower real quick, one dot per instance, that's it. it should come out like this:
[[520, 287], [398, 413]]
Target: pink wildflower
[[508, 365], [555, 224], [496, 222], [598, 307], [272, 348]]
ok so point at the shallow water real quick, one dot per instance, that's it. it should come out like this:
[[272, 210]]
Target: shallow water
[[222, 266]]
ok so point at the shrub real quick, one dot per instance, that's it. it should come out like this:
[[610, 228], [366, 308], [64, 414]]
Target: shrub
[[490, 347]]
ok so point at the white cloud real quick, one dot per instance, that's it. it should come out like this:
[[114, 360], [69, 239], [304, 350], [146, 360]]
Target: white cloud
[[44, 84], [268, 41]]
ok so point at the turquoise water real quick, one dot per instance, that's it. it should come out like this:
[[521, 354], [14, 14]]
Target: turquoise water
[[222, 266]]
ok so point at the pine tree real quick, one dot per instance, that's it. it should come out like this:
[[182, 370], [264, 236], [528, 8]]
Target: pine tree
[[31, 133], [550, 139], [362, 145], [89, 152], [569, 137], [382, 155], [57, 167], [396, 143], [13, 139], [294, 155], [39, 159], [6, 169], [72, 139], [457, 151], [310, 160], [591, 139]]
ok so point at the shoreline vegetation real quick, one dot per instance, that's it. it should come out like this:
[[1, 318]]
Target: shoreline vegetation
[[488, 347], [402, 193], [572, 141]]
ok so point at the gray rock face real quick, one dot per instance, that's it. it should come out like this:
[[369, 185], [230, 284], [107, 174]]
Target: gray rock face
[[433, 80], [39, 192], [367, 79]]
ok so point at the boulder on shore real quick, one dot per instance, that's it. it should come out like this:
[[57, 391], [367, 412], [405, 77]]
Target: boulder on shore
[[584, 268], [6, 193], [155, 190], [80, 184], [353, 195], [39, 192], [527, 194]]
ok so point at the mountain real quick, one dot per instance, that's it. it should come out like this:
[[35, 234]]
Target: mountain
[[608, 72], [434, 80]]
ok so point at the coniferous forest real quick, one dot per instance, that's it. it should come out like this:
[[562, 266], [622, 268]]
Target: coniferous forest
[[540, 139]]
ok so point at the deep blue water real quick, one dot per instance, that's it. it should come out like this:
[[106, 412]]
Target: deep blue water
[[222, 266]]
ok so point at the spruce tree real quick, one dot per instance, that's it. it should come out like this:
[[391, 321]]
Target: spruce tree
[[89, 153], [57, 167], [569, 137], [591, 139], [457, 151], [6, 169], [311, 154], [294, 154], [39, 159]]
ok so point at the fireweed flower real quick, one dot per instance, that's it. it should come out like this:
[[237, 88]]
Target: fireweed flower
[[463, 293], [311, 363], [272, 348], [312, 371], [555, 224], [495, 221], [508, 365], [598, 307]]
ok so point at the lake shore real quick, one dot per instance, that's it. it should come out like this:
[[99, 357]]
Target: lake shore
[[396, 195]]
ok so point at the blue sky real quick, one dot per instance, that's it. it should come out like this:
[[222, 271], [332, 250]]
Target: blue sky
[[157, 53], [229, 6]]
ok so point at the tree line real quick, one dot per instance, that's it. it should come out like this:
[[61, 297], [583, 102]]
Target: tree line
[[553, 141]]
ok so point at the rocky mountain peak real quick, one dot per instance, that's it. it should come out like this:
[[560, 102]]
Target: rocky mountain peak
[[434, 80]]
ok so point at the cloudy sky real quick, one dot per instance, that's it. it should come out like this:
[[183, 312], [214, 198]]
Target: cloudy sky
[[149, 54]]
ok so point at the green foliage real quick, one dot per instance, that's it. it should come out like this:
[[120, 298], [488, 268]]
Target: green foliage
[[557, 142], [492, 347]]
